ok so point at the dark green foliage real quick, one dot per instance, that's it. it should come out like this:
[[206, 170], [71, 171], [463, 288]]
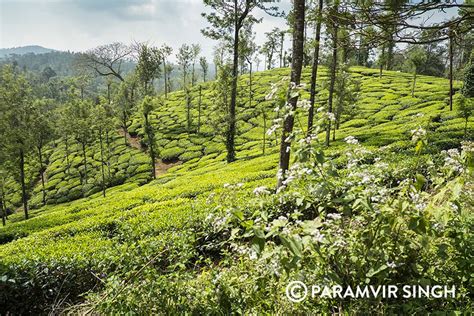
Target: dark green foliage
[[468, 89]]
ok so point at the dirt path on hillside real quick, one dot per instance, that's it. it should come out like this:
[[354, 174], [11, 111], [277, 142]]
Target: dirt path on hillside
[[161, 167], [133, 141]]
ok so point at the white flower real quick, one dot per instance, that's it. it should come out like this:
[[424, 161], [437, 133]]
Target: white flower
[[467, 146], [317, 236], [280, 174], [331, 116], [454, 206], [340, 243], [272, 93], [288, 180], [253, 255], [351, 140], [261, 190], [304, 104], [272, 130], [391, 265], [417, 134], [334, 216]]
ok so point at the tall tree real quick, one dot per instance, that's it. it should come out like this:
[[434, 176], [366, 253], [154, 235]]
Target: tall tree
[[281, 45], [292, 98], [314, 67], [3, 208], [147, 107], [166, 51], [227, 19], [106, 60], [17, 113], [43, 132], [124, 103], [271, 46], [204, 67], [346, 92], [102, 122], [334, 25], [185, 56], [248, 50], [81, 120], [148, 67], [196, 50], [415, 59]]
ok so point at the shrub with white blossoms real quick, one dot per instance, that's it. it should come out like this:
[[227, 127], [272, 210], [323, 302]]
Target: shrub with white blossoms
[[418, 134], [261, 190], [354, 216], [351, 140]]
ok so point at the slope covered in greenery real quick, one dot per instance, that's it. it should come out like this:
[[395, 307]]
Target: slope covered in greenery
[[193, 239]]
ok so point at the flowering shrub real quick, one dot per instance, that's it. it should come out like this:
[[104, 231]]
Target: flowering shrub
[[364, 224]]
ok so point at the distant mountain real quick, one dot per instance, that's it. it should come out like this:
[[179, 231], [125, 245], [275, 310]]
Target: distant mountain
[[35, 49]]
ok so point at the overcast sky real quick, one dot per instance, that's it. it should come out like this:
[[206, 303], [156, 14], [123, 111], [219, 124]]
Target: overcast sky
[[78, 25]]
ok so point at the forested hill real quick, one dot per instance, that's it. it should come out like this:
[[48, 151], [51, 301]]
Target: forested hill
[[31, 49]]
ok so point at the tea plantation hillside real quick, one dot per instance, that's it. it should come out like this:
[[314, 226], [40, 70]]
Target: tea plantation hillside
[[383, 114], [194, 240], [64, 172]]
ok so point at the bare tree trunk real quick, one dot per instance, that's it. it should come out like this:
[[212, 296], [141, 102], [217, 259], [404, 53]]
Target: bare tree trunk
[[169, 82], [40, 156], [109, 151], [282, 39], [3, 206], [382, 58], [165, 77], [250, 86], [230, 135], [124, 127], [451, 56], [264, 129], [66, 143], [102, 162], [199, 109], [314, 69], [151, 140], [333, 80], [24, 196], [296, 66], [188, 111], [4, 220], [84, 155], [108, 91], [391, 46]]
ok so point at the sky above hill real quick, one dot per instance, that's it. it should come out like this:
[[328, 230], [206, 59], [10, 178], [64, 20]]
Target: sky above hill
[[78, 25]]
